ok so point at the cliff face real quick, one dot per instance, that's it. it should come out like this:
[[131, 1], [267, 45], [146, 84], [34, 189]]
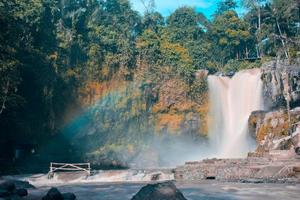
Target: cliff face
[[176, 113], [138, 122], [274, 127], [281, 83]]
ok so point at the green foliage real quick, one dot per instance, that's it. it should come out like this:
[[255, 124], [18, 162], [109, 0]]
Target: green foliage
[[231, 35], [276, 26], [185, 24], [224, 6], [50, 50], [198, 90], [235, 66]]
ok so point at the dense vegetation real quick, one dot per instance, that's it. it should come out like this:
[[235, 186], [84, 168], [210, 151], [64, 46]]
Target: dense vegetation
[[53, 54]]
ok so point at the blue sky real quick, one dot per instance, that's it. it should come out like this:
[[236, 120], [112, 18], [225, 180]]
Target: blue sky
[[166, 7]]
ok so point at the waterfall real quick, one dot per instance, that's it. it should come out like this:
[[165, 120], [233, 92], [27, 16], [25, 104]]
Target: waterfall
[[231, 102]]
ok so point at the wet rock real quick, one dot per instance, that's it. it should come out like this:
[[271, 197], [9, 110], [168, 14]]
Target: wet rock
[[69, 196], [22, 184], [8, 190], [230, 74], [155, 176], [159, 191], [53, 194], [21, 192], [8, 186], [4, 193], [297, 150], [256, 181], [15, 197]]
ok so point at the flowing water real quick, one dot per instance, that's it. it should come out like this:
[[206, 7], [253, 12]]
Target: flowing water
[[231, 102], [122, 185], [192, 191]]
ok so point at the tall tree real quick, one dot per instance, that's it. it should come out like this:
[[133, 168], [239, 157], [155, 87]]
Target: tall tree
[[256, 5], [224, 6]]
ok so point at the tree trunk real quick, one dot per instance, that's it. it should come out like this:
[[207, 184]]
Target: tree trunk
[[282, 41], [5, 97], [259, 19], [247, 53], [258, 52]]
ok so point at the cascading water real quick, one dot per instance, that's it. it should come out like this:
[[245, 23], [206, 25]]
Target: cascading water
[[231, 102]]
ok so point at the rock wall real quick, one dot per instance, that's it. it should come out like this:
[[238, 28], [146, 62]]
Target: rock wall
[[273, 127], [281, 83], [176, 113], [251, 169]]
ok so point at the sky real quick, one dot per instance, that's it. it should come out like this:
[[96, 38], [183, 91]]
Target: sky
[[166, 7]]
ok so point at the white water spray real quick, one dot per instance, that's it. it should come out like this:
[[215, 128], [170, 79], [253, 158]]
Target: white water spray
[[231, 102]]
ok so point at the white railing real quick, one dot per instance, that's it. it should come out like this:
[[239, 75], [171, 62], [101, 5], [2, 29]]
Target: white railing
[[63, 167]]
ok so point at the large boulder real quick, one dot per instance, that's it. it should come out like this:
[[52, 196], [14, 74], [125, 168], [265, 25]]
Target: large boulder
[[4, 193], [69, 196], [10, 190], [53, 194], [22, 184], [8, 186], [22, 192], [159, 191], [273, 130]]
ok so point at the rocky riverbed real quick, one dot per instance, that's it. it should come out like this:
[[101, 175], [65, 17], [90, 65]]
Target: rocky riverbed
[[208, 190]]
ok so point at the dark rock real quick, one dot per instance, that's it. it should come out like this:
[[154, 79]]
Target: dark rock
[[4, 193], [22, 184], [256, 181], [281, 81], [8, 186], [155, 177], [21, 192], [297, 150], [159, 191], [53, 194], [15, 197], [230, 74], [69, 196]]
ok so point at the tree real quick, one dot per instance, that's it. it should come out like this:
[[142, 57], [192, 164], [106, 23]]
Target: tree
[[224, 6], [187, 27], [186, 24], [153, 21], [286, 17], [277, 28], [256, 6], [230, 35]]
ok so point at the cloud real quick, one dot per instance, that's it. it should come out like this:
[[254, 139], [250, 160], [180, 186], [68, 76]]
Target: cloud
[[166, 7]]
